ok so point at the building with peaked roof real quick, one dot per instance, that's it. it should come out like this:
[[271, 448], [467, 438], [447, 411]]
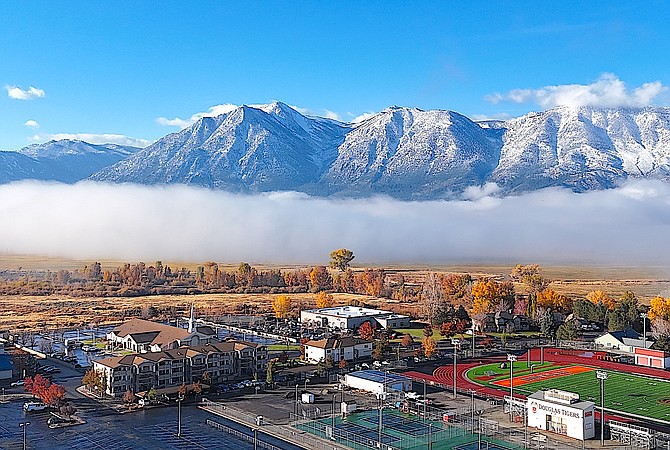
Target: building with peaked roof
[[625, 341], [221, 361], [348, 348], [352, 317], [141, 336]]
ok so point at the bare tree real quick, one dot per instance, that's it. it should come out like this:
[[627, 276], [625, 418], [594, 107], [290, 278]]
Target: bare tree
[[432, 297]]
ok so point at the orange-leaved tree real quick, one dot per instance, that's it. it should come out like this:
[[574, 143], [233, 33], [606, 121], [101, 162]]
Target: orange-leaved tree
[[429, 346], [323, 300], [366, 330]]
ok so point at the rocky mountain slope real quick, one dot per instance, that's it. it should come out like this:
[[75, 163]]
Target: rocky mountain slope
[[403, 152]]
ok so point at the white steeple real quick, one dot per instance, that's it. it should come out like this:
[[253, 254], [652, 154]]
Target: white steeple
[[191, 320]]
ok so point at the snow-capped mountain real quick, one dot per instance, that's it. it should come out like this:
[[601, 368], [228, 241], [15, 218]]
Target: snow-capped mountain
[[403, 152], [410, 153], [263, 148], [584, 148], [69, 161]]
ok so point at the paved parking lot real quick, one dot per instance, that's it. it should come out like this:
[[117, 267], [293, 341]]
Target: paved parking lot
[[149, 430]]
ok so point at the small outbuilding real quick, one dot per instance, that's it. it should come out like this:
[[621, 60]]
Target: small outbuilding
[[378, 382], [561, 412]]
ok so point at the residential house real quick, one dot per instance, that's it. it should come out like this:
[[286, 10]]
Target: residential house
[[348, 348], [624, 341], [141, 336]]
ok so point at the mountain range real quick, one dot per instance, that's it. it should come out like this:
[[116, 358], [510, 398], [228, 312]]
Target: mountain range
[[405, 153]]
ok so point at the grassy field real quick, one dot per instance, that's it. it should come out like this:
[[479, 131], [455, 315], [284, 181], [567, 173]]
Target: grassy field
[[624, 392]]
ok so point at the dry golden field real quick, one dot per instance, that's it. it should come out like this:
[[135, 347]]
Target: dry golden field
[[55, 312]]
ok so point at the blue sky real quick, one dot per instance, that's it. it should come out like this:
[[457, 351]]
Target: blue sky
[[128, 71]]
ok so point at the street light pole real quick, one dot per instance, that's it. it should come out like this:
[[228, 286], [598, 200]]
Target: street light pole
[[179, 417], [455, 343], [295, 406], [644, 328], [24, 425], [602, 376], [511, 358]]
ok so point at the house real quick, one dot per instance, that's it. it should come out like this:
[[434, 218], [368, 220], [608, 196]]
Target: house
[[504, 321], [352, 317], [222, 361], [623, 340], [348, 348], [141, 336], [484, 323], [521, 323]]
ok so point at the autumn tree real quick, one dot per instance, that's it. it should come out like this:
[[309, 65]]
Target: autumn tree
[[600, 297], [407, 341], [428, 331], [531, 277], [458, 290], [432, 297], [429, 346], [343, 364], [340, 259], [282, 306], [366, 331], [381, 347], [128, 398], [447, 329], [490, 295], [553, 300], [323, 300], [320, 279]]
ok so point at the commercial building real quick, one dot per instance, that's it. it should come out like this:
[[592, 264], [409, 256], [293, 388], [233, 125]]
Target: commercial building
[[352, 317], [378, 382], [141, 336], [348, 348], [222, 361], [561, 412]]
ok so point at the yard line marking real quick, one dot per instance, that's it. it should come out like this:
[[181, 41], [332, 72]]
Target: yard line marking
[[542, 376]]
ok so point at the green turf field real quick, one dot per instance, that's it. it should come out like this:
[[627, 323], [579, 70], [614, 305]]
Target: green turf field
[[624, 392]]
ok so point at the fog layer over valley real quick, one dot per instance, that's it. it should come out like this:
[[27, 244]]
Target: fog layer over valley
[[629, 225]]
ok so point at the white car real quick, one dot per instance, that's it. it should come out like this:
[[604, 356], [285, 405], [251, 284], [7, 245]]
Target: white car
[[18, 383], [34, 406]]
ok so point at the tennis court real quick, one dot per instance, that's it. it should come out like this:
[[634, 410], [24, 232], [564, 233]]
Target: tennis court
[[399, 431]]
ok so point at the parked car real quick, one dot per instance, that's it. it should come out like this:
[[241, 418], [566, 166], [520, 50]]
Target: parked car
[[18, 383], [54, 421], [34, 406]]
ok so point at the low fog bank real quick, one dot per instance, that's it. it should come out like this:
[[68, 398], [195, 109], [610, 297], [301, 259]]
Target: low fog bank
[[625, 226]]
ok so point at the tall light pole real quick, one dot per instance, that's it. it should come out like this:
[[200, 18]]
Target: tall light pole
[[295, 407], [455, 343], [473, 339], [644, 328], [180, 398], [24, 425], [511, 358], [602, 376]]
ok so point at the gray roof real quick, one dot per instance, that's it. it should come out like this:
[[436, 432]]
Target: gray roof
[[582, 404]]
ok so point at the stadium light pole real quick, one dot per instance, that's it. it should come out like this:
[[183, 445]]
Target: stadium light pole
[[455, 343], [24, 425], [295, 406], [473, 339], [511, 358], [602, 376], [644, 329]]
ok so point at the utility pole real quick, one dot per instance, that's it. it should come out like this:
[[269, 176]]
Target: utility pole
[[455, 343], [602, 376], [644, 329], [24, 425], [511, 358]]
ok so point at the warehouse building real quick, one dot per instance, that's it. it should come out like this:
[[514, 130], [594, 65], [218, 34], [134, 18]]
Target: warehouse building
[[352, 317], [561, 412], [378, 382]]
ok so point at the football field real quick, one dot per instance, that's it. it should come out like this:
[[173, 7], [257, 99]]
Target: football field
[[624, 392]]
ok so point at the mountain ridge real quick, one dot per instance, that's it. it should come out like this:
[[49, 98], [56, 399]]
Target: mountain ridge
[[407, 153]]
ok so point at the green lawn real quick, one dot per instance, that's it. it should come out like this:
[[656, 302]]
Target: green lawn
[[624, 392]]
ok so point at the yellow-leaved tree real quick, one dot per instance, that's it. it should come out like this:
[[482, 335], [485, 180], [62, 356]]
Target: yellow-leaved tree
[[597, 296], [323, 300], [282, 306], [429, 346], [659, 308], [552, 299]]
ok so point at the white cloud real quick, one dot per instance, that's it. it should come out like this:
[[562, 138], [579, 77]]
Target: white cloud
[[331, 115], [93, 138], [630, 225], [486, 117], [363, 117], [32, 124], [479, 192], [214, 111], [22, 94], [606, 91]]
